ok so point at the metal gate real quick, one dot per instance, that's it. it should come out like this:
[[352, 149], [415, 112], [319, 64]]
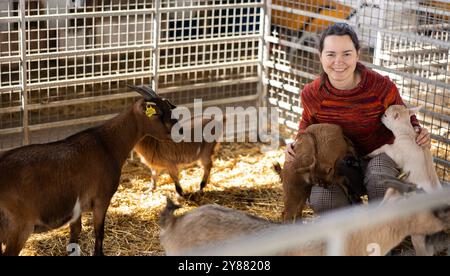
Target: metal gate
[[409, 41], [65, 64]]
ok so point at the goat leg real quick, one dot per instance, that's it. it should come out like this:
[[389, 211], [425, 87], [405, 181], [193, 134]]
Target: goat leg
[[155, 175], [421, 247], [207, 164], [294, 201], [99, 225], [173, 172], [75, 230], [17, 238]]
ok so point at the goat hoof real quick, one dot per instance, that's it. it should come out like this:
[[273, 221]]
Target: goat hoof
[[180, 193], [202, 185]]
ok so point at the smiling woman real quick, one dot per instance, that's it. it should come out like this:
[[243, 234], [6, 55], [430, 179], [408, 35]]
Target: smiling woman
[[339, 57], [354, 97]]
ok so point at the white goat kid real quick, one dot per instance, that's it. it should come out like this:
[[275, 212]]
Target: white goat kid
[[413, 159]]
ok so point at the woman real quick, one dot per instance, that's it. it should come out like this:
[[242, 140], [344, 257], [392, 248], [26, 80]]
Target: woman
[[352, 96]]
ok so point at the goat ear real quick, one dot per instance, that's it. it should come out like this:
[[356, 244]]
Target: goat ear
[[414, 110]]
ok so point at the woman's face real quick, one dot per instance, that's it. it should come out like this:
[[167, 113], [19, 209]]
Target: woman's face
[[339, 58]]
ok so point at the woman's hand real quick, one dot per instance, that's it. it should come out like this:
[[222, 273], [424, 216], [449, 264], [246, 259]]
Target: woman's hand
[[289, 153], [423, 137]]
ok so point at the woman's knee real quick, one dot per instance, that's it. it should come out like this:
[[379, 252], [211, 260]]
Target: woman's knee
[[379, 168], [322, 200]]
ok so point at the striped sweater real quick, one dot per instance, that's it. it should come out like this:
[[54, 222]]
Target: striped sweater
[[358, 111]]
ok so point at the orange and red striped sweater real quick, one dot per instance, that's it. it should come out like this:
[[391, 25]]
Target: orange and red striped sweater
[[358, 111]]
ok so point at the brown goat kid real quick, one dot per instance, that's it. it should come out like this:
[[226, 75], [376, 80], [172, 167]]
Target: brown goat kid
[[160, 155], [318, 152], [45, 186]]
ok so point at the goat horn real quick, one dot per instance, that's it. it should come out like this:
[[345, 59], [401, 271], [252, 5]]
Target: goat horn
[[146, 91]]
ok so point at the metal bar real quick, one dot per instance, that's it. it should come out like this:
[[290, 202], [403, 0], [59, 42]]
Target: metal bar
[[411, 36], [211, 7], [283, 237], [309, 14], [12, 19], [432, 10], [23, 73], [101, 118], [263, 50], [335, 243], [281, 85], [209, 85], [14, 130], [50, 84], [210, 66], [90, 51], [379, 42], [407, 75], [155, 54], [209, 40], [10, 59], [441, 161], [127, 95], [65, 123], [287, 69], [441, 116], [10, 109], [81, 15], [10, 88], [83, 100], [226, 101]]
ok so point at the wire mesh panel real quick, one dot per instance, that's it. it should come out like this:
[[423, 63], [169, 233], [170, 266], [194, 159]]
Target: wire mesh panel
[[406, 40], [79, 56], [10, 92], [209, 48]]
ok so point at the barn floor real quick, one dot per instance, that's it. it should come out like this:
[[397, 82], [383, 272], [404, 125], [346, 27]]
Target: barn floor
[[242, 178]]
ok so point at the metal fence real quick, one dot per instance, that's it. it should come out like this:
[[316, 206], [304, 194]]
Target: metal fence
[[65, 64], [335, 232], [409, 41]]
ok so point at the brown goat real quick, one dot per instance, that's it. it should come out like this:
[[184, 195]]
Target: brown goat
[[45, 186], [159, 155], [318, 152]]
